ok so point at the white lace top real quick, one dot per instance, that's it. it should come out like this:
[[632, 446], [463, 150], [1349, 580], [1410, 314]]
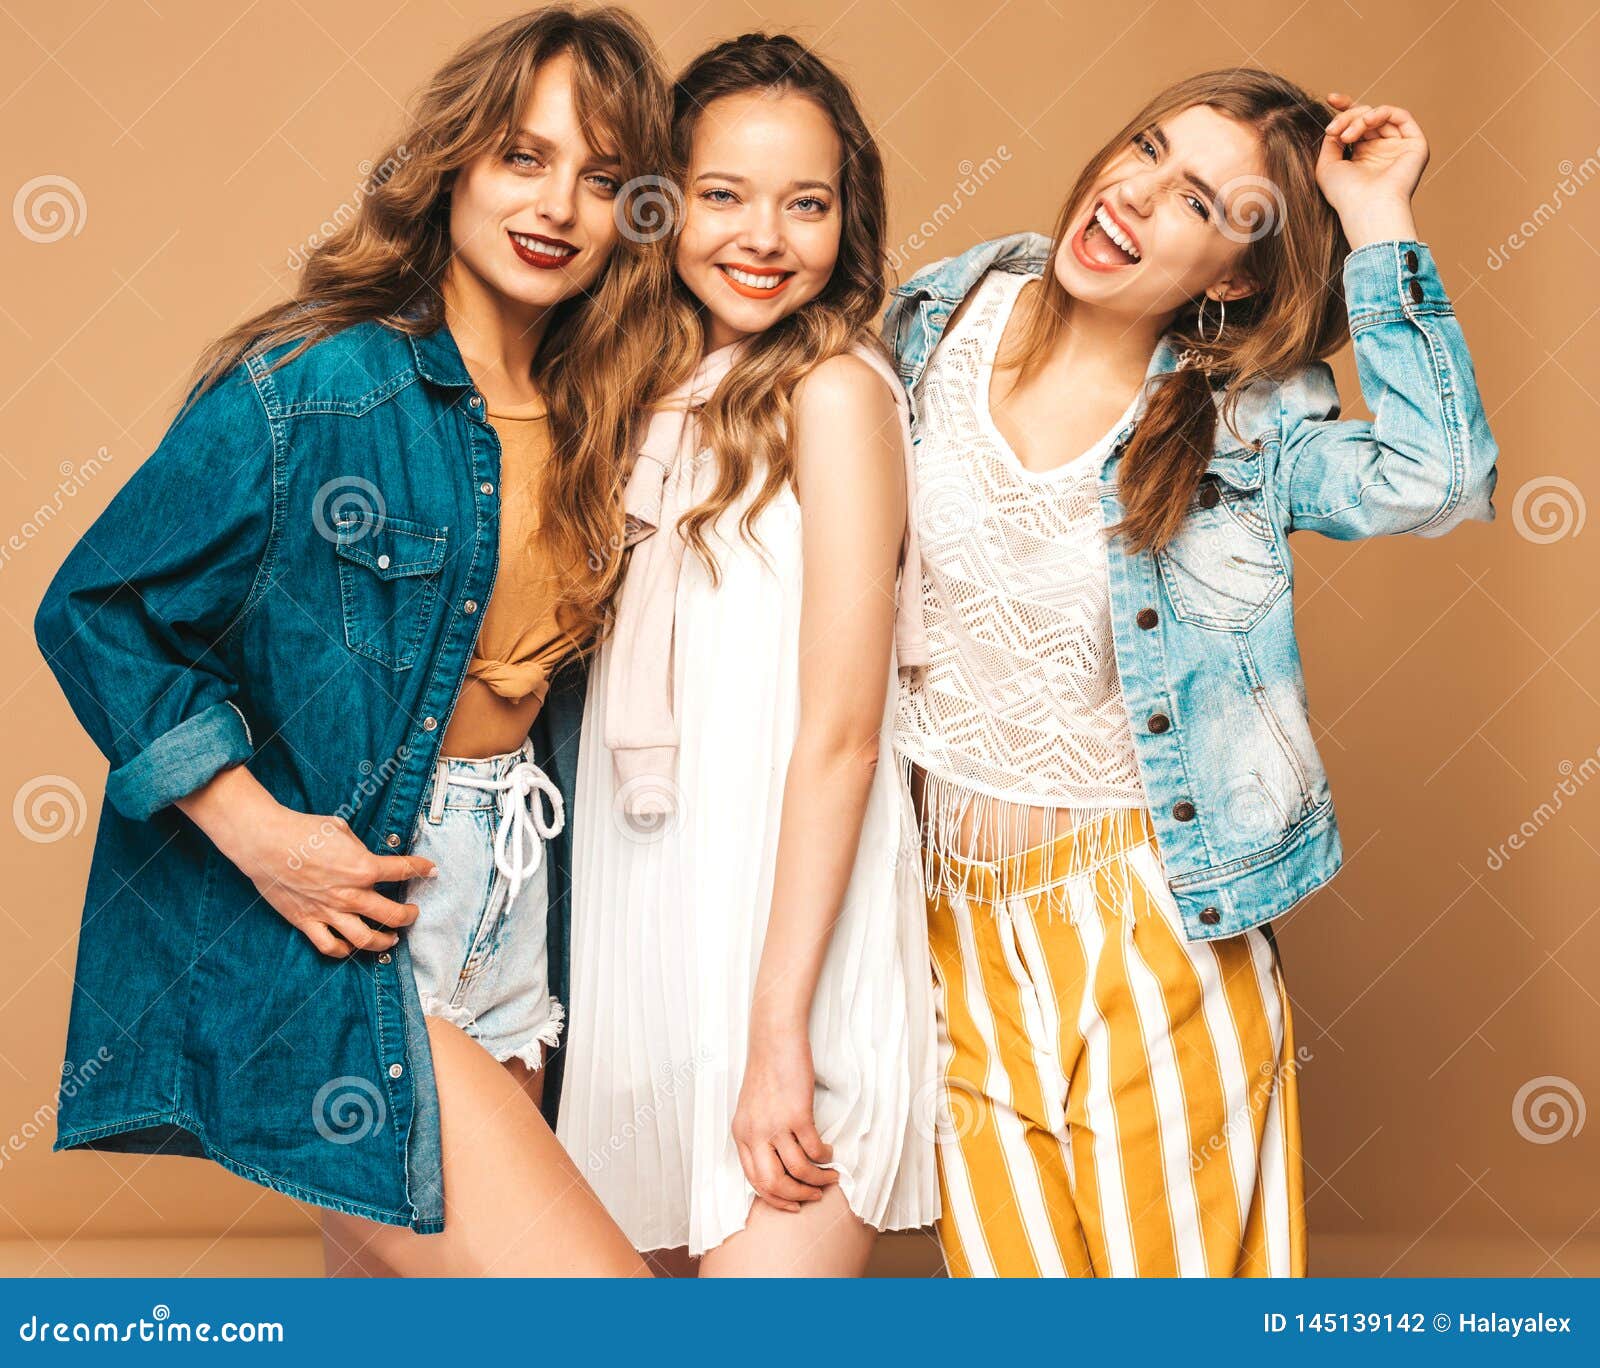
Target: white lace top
[[1020, 700]]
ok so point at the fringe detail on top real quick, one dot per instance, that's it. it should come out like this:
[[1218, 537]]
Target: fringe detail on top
[[1078, 866]]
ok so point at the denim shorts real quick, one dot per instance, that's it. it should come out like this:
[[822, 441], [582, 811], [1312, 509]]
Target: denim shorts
[[478, 944]]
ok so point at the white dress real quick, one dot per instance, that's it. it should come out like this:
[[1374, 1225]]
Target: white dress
[[668, 925]]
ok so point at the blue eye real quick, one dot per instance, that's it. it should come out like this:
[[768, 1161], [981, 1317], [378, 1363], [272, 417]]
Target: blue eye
[[726, 196], [816, 206], [522, 159]]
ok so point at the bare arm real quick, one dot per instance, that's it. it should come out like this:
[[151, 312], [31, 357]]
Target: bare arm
[[850, 472]]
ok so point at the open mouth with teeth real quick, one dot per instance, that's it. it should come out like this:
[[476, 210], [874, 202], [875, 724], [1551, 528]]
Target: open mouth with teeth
[[754, 284], [545, 253], [1104, 243]]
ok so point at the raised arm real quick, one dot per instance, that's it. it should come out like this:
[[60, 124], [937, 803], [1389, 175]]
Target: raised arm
[[1426, 461]]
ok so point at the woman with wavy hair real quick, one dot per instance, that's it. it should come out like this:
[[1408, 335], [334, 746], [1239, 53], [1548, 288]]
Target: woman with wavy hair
[[1118, 428], [323, 637], [753, 1023]]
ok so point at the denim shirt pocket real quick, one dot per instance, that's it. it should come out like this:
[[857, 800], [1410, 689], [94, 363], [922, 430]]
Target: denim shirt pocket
[[389, 571], [1226, 566]]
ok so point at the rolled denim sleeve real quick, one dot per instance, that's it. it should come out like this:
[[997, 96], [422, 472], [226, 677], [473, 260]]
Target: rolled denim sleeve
[[1426, 461], [132, 623]]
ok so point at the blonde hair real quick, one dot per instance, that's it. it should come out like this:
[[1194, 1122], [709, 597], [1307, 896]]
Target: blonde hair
[[747, 423], [600, 350], [1295, 314]]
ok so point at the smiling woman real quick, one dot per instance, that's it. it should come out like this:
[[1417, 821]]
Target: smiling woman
[[1114, 771], [325, 918]]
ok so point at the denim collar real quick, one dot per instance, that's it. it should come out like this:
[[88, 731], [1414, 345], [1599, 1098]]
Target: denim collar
[[439, 360]]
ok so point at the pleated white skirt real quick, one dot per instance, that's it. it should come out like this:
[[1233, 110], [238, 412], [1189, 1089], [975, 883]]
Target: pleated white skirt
[[668, 925]]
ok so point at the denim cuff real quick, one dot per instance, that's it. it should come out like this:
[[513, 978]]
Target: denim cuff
[[1385, 282], [180, 761]]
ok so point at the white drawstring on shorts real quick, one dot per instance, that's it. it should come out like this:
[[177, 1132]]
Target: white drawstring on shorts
[[519, 838]]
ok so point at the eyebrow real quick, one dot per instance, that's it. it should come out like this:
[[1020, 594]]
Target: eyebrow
[[543, 144], [745, 180], [1203, 186]]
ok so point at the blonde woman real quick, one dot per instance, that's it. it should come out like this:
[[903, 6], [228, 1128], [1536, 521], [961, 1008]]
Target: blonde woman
[[752, 1019], [312, 635]]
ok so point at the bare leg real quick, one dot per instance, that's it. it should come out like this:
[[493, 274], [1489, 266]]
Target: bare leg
[[824, 1239], [515, 1204]]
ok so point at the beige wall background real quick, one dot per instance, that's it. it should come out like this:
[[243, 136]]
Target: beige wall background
[[1449, 997]]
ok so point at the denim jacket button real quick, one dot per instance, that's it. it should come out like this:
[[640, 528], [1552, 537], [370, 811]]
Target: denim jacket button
[[383, 562], [1210, 495], [385, 957], [392, 839], [395, 1070], [1210, 916], [476, 401], [470, 606], [1411, 260], [1183, 810], [1416, 292], [1147, 618], [429, 723], [1159, 722], [486, 487]]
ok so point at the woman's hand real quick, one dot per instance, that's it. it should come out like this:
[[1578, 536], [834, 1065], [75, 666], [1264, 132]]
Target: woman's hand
[[779, 1147], [312, 870], [1371, 191]]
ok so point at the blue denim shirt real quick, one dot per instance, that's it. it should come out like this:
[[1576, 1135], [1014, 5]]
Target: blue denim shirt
[[290, 582], [1204, 628]]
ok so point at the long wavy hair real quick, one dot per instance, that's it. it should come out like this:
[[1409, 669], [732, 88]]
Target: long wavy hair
[[746, 423], [1296, 314], [601, 350]]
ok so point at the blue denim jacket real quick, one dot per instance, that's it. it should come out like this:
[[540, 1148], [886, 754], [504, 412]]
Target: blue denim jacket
[[1204, 629], [290, 582]]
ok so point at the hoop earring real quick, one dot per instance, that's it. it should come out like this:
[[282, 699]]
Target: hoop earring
[[1200, 319]]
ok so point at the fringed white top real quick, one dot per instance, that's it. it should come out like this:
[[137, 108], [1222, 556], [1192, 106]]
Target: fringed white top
[[1020, 703]]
